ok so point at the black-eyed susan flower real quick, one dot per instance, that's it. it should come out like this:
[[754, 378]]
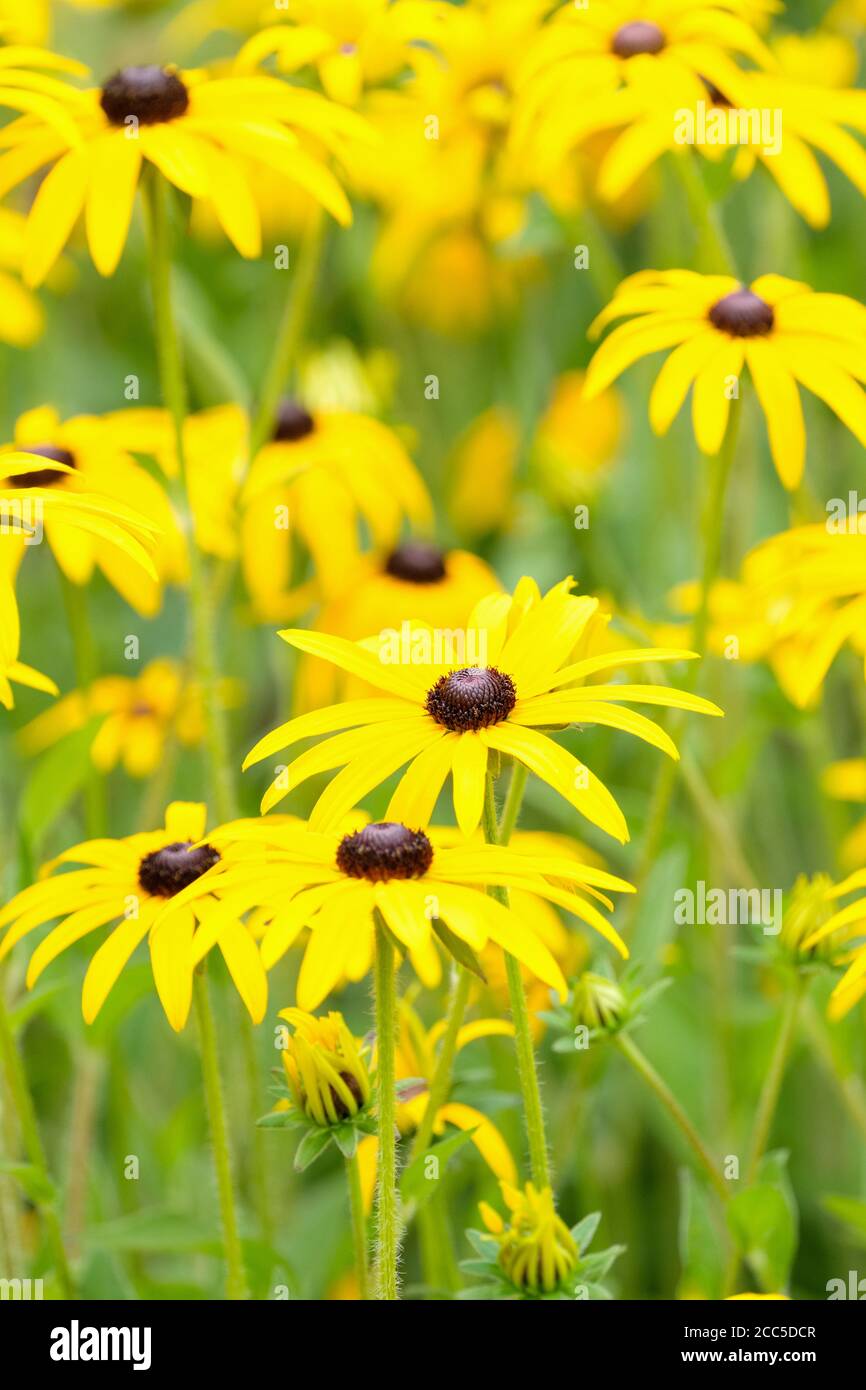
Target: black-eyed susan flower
[[785, 333], [137, 717], [29, 83], [844, 930], [322, 475], [482, 468], [620, 58], [351, 45], [324, 1067], [445, 711], [576, 440], [415, 580], [336, 883], [198, 131], [131, 882], [97, 461], [845, 780], [21, 315]]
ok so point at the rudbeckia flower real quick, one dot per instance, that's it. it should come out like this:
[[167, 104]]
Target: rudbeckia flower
[[21, 317], [605, 64], [131, 882], [416, 1058], [138, 716], [445, 711], [813, 582], [351, 44], [414, 580], [96, 461], [43, 98], [781, 329], [197, 130], [325, 1068], [537, 1251], [335, 884], [845, 930], [34, 493], [482, 466], [322, 474], [576, 440]]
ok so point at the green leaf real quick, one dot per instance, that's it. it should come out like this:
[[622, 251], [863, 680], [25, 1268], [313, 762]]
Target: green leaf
[[463, 954], [55, 779], [851, 1211], [764, 1228], [34, 1183], [584, 1231], [154, 1230], [415, 1185], [277, 1119], [485, 1244], [314, 1142], [702, 1256], [346, 1139]]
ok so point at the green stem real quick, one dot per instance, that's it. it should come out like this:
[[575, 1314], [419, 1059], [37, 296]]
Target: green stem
[[155, 196], [513, 800], [359, 1226], [773, 1081], [258, 1168], [22, 1103], [662, 1091], [533, 1113], [715, 250], [236, 1281], [86, 666], [441, 1082], [386, 1109], [290, 332], [851, 1091]]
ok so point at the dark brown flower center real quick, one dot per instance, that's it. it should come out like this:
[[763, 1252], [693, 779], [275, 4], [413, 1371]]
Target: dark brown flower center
[[166, 871], [418, 562], [351, 1082], [640, 36], [43, 477], [150, 94], [385, 850], [743, 315], [471, 699], [293, 422]]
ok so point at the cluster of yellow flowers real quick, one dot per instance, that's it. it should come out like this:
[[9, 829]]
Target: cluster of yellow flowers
[[450, 125]]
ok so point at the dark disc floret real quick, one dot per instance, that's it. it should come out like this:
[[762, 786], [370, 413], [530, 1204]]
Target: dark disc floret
[[44, 477], [640, 36], [416, 562], [473, 698], [151, 94], [293, 422], [352, 1084], [384, 850], [743, 314], [166, 871]]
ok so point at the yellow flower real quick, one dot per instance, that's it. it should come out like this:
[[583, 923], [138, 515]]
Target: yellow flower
[[576, 439], [845, 780], [814, 584], [416, 580], [536, 1249], [482, 465], [323, 473], [335, 884], [131, 882], [757, 1297], [843, 927], [325, 1068], [96, 462], [197, 130], [139, 714], [11, 669], [21, 316], [613, 63], [781, 329], [351, 44], [444, 711], [43, 98]]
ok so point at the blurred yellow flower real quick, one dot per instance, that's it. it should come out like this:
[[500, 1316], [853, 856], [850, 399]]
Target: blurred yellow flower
[[536, 1248], [482, 466], [576, 440], [139, 716], [87, 456], [11, 669]]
